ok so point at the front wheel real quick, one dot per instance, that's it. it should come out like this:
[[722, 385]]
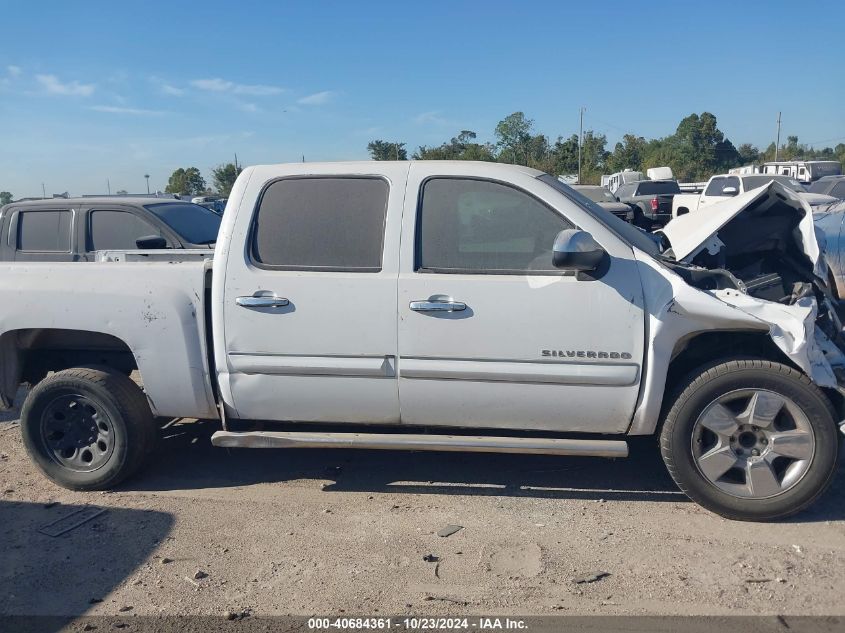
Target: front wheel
[[87, 428], [751, 440]]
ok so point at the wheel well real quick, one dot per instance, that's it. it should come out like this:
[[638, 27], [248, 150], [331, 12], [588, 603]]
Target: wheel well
[[39, 351], [705, 347]]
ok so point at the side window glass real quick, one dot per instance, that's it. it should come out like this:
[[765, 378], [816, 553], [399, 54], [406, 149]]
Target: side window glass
[[477, 226], [839, 190], [44, 231], [117, 230], [715, 187], [322, 224]]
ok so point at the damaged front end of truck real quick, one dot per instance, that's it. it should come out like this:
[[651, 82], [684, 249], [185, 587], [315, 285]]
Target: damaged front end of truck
[[758, 255]]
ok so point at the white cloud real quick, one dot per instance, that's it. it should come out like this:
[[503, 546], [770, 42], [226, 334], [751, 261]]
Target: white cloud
[[318, 98], [120, 110], [14, 71], [173, 91], [167, 88], [432, 117], [222, 85], [247, 107], [53, 85]]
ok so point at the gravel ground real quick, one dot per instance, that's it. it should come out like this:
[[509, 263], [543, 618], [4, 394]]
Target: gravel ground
[[203, 531]]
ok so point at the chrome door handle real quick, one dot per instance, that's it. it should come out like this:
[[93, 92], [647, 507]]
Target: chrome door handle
[[438, 303], [262, 302]]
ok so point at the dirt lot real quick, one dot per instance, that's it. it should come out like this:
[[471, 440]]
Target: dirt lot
[[333, 532]]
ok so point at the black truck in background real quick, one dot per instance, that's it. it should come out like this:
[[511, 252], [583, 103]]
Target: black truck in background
[[651, 201]]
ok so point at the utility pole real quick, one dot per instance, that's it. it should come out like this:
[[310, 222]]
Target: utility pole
[[147, 176], [236, 162], [108, 185], [43, 191], [580, 140], [777, 142]]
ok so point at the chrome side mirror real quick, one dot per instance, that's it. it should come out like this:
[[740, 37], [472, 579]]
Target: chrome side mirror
[[576, 250]]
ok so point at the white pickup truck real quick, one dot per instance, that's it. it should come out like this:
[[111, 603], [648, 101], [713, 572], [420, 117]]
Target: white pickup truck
[[381, 301], [723, 186]]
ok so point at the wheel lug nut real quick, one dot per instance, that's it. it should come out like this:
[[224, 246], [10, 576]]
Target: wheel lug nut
[[755, 452]]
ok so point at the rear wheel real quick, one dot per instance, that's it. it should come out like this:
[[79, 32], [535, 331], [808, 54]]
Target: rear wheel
[[87, 428], [751, 440]]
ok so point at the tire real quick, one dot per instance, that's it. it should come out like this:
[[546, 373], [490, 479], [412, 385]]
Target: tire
[[88, 428], [728, 410]]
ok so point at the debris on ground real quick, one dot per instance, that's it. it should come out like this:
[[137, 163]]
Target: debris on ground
[[125, 609], [463, 603], [71, 521], [431, 558], [589, 578], [51, 504], [757, 580], [449, 530], [165, 560], [200, 574]]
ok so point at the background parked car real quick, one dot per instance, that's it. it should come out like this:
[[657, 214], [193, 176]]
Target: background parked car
[[651, 201], [829, 186], [73, 229], [602, 197], [830, 219], [728, 185]]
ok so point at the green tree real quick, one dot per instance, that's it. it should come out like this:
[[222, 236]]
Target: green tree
[[514, 139], [461, 147], [5, 198], [594, 156], [224, 177], [748, 154], [186, 181], [627, 154], [387, 150]]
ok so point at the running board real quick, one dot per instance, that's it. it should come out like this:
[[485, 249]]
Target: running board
[[399, 441]]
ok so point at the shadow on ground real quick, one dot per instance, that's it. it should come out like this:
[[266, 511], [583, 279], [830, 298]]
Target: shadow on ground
[[76, 569], [186, 460]]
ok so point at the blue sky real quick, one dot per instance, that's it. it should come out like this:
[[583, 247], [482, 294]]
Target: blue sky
[[91, 91]]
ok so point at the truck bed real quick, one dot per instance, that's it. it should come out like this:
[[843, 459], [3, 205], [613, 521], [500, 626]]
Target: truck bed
[[157, 309]]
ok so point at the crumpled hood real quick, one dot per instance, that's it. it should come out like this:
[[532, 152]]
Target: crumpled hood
[[690, 234]]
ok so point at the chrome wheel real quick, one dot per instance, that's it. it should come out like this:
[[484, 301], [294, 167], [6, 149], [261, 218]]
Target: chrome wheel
[[77, 433], [753, 443]]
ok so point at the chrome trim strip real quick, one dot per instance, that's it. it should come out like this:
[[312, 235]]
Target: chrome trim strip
[[614, 374], [371, 366]]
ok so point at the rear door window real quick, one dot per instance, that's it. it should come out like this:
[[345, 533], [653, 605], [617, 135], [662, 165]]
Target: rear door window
[[44, 231], [117, 230], [321, 224]]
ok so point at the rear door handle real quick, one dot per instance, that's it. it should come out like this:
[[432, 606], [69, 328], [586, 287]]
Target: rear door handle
[[438, 303], [262, 302]]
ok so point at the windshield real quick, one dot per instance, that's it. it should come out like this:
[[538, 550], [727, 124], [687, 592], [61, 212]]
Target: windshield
[[596, 194], [195, 224], [626, 232], [657, 187], [755, 182]]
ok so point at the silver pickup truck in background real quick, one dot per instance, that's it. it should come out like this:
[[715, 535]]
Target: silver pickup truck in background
[[447, 306]]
